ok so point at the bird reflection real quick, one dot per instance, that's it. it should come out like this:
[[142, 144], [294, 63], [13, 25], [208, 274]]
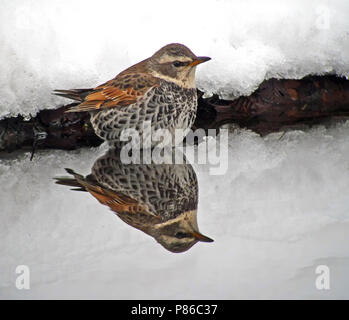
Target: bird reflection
[[158, 199]]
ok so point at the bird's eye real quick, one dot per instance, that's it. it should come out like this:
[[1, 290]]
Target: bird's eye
[[181, 235], [177, 64]]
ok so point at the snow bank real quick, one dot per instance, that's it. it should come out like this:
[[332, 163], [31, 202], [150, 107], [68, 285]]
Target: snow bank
[[279, 212], [46, 45]]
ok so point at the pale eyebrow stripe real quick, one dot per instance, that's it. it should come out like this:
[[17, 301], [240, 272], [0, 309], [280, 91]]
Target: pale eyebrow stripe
[[170, 58]]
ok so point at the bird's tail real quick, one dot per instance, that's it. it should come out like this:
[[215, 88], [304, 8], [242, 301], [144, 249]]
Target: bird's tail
[[74, 94], [71, 182]]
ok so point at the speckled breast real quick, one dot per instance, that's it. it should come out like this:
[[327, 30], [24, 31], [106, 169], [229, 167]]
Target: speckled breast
[[166, 189], [167, 106]]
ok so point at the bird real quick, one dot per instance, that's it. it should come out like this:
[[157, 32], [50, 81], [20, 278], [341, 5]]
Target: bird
[[159, 199], [158, 91]]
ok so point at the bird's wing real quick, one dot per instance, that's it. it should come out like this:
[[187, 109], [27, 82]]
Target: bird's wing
[[123, 90], [116, 201]]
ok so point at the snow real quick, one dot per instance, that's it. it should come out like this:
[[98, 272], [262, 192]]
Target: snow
[[45, 45], [279, 212]]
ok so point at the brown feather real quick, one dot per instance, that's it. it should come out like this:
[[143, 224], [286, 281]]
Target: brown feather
[[124, 89], [118, 203]]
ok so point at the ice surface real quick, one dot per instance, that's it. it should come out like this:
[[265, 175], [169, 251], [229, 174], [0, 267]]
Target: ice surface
[[46, 45], [279, 212]]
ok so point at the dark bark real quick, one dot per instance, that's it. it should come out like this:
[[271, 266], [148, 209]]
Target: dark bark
[[48, 129], [276, 105]]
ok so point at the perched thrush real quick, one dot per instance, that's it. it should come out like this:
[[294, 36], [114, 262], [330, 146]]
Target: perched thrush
[[159, 90], [158, 199]]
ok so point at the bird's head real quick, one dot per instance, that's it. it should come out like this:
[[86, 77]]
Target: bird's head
[[176, 63], [179, 234]]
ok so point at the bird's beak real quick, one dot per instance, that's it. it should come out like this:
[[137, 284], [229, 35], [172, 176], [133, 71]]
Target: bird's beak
[[199, 60], [200, 237]]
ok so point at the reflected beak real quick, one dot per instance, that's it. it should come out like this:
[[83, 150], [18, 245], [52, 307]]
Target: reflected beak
[[199, 60], [200, 237]]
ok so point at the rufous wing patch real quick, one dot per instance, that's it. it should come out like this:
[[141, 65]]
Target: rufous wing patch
[[117, 92], [116, 202]]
